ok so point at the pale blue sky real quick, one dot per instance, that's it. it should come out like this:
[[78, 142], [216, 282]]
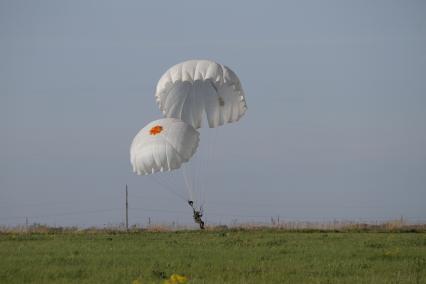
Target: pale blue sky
[[335, 127]]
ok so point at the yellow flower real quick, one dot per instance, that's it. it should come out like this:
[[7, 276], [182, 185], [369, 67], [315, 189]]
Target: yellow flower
[[136, 281], [176, 279]]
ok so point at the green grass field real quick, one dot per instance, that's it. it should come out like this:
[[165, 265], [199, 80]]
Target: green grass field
[[221, 256]]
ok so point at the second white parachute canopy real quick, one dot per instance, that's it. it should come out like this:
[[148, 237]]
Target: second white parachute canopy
[[192, 88], [163, 144]]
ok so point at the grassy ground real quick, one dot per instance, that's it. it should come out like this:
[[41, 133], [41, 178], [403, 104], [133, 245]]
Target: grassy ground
[[227, 256]]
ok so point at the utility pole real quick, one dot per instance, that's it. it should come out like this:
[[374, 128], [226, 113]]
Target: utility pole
[[127, 210]]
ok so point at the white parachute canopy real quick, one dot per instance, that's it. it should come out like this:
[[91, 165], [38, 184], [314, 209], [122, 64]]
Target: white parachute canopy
[[163, 144], [192, 88]]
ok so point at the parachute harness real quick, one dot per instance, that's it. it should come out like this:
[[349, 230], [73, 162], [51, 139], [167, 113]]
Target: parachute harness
[[221, 101], [197, 214]]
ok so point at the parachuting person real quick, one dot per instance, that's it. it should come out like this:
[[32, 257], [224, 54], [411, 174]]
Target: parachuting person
[[194, 88], [197, 214], [164, 145]]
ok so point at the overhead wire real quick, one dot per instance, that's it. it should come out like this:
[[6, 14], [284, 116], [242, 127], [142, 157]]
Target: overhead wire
[[62, 214]]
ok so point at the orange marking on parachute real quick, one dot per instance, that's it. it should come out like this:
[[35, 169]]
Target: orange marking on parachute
[[155, 130]]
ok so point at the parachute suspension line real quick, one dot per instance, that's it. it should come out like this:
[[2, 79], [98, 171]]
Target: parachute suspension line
[[167, 188], [198, 171], [204, 162], [188, 184], [208, 159]]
